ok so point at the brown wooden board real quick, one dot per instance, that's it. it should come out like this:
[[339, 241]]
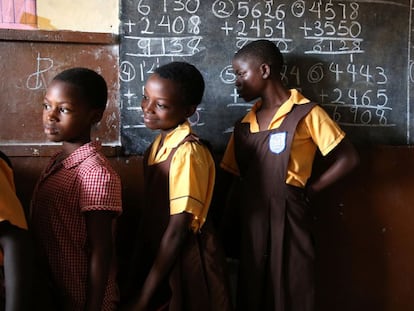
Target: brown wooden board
[[27, 68]]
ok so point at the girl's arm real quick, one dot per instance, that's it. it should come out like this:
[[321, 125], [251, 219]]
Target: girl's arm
[[18, 266], [344, 158], [171, 243], [99, 229]]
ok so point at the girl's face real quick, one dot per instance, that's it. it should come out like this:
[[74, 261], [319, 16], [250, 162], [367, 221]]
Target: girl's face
[[162, 104], [66, 116], [249, 81]]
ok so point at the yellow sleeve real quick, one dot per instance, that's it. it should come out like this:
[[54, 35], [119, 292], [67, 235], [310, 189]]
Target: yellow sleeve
[[10, 205], [228, 162], [192, 176], [325, 132]]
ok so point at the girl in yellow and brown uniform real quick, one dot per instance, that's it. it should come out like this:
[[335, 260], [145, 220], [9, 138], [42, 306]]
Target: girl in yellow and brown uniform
[[16, 255], [180, 265], [272, 150]]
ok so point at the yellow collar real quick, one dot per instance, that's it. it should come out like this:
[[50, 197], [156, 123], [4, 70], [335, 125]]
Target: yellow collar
[[296, 98]]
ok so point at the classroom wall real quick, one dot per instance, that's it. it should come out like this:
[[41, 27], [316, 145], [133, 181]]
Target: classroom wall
[[79, 15], [364, 234], [76, 15]]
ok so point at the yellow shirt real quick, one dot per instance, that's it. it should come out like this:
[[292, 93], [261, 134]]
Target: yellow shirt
[[10, 206], [192, 174], [315, 130]]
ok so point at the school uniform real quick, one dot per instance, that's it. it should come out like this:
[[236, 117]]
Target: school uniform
[[180, 178], [276, 250], [83, 182]]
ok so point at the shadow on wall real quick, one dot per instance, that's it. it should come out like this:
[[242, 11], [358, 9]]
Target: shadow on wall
[[363, 233]]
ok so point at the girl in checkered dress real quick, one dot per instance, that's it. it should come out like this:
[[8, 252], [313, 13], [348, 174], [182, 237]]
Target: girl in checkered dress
[[77, 197]]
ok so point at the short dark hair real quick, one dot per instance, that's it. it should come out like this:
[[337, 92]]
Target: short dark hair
[[187, 77], [264, 51], [90, 84]]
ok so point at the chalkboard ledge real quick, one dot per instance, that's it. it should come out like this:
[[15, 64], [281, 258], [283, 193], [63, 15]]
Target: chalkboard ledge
[[28, 150], [59, 36]]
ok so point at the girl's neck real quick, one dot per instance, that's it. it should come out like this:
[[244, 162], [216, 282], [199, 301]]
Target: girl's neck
[[274, 97], [69, 147], [271, 102]]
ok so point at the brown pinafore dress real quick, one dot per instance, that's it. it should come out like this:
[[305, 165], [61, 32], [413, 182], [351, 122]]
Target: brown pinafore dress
[[276, 250], [197, 280]]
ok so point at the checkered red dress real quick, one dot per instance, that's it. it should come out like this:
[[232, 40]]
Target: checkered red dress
[[83, 182]]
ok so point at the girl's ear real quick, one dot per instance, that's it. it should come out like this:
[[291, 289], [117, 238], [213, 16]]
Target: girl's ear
[[97, 115], [191, 110], [265, 70]]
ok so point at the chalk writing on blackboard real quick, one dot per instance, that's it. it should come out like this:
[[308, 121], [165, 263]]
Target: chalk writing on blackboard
[[36, 80], [354, 63], [30, 66]]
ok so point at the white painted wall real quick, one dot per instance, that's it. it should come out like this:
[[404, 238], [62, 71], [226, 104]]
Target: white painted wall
[[79, 15]]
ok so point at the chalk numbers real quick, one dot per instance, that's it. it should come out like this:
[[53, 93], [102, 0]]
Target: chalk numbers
[[331, 11], [355, 73], [363, 101], [354, 93], [165, 28], [160, 31], [172, 25], [324, 28], [189, 6]]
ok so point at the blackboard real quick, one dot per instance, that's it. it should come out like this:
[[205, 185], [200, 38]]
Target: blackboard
[[352, 57], [29, 59]]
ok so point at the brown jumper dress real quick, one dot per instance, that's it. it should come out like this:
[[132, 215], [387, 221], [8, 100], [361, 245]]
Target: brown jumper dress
[[276, 250], [197, 281]]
